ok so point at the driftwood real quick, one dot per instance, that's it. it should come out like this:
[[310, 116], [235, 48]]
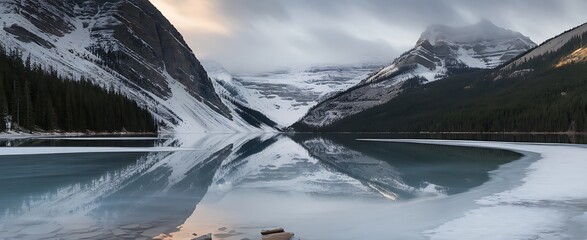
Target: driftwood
[[272, 231]]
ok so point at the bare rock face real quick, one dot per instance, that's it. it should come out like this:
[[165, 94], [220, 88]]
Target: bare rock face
[[141, 29], [26, 36]]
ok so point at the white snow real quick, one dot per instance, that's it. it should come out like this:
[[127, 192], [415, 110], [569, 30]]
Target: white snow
[[501, 222], [466, 56], [383, 73], [538, 208]]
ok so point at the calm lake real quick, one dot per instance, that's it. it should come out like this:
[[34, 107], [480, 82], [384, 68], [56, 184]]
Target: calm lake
[[319, 187]]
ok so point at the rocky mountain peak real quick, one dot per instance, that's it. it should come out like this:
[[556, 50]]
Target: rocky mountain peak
[[483, 31], [440, 51]]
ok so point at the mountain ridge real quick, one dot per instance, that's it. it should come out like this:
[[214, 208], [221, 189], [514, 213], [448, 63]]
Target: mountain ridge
[[423, 64], [125, 46], [538, 95]]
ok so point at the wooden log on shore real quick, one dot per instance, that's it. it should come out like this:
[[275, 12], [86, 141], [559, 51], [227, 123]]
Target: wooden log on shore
[[272, 231]]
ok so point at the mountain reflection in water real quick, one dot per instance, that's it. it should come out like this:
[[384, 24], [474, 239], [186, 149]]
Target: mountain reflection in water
[[102, 195]]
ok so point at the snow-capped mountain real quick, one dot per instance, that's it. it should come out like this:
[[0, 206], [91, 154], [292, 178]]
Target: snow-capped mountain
[[441, 51], [285, 96], [127, 46], [237, 97], [528, 94]]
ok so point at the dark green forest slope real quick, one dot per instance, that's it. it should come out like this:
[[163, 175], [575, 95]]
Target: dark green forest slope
[[539, 95], [37, 100]]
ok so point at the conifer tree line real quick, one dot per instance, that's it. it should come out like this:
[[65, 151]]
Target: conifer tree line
[[38, 100]]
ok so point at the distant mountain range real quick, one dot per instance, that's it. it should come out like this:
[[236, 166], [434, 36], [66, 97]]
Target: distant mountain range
[[285, 96]]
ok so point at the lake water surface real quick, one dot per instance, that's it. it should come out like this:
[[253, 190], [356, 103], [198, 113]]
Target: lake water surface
[[319, 187]]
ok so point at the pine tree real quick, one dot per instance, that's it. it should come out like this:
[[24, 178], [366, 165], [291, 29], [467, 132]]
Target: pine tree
[[38, 99]]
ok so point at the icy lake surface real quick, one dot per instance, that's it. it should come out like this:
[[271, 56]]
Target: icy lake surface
[[319, 187]]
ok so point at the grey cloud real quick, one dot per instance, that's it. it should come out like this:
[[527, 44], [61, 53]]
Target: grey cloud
[[245, 11], [270, 34]]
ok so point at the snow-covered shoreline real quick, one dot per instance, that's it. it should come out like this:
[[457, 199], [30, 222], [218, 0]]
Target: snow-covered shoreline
[[547, 204]]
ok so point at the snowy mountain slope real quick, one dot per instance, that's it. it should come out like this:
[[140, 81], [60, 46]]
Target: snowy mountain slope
[[126, 46], [237, 97], [285, 96], [441, 51]]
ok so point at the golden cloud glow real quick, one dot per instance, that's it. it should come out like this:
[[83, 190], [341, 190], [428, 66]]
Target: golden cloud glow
[[197, 15]]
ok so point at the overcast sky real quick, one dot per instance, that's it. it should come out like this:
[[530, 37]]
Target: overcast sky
[[262, 35]]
